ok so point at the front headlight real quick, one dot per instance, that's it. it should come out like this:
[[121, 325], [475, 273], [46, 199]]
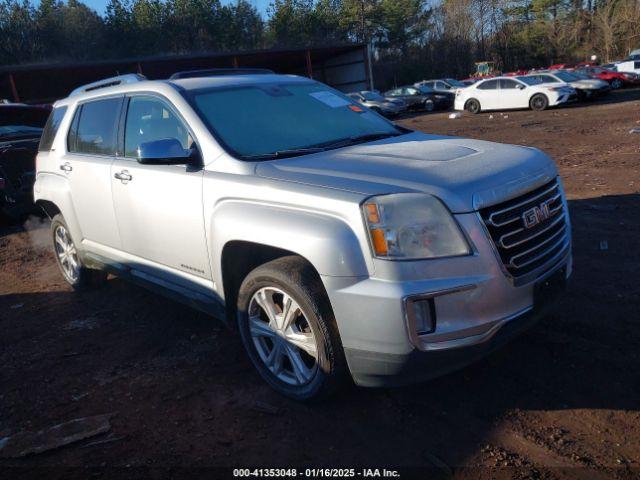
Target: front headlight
[[411, 226]]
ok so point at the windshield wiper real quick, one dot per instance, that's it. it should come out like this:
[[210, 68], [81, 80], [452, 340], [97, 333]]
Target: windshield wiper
[[294, 152], [354, 140], [343, 142]]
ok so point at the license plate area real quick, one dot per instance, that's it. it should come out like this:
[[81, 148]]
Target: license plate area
[[547, 291]]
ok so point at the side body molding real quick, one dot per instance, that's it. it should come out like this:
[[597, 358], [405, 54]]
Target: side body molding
[[326, 241]]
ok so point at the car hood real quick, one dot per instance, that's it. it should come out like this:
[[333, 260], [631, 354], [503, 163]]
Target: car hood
[[465, 174]]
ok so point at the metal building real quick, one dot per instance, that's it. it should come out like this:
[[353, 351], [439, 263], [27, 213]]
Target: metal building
[[346, 68]]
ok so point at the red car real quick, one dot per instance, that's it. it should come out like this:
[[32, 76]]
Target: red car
[[560, 66], [615, 79]]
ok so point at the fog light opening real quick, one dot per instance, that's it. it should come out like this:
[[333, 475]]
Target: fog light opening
[[422, 315]]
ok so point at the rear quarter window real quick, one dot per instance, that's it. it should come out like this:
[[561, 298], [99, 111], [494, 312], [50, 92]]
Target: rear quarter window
[[51, 128], [488, 85]]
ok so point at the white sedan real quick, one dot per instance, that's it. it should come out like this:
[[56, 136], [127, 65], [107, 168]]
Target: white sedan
[[505, 93]]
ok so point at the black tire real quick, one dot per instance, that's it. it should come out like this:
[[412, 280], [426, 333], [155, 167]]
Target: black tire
[[86, 278], [472, 106], [616, 83], [295, 277], [539, 102], [429, 105]]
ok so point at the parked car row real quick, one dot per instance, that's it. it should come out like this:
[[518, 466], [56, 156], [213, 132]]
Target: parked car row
[[20, 130]]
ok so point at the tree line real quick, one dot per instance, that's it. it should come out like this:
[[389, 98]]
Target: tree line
[[410, 39]]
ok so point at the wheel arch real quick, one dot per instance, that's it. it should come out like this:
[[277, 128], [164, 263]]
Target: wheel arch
[[239, 258], [245, 235], [53, 194]]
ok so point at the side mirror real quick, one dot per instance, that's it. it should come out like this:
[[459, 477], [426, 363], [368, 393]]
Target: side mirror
[[521, 87], [167, 151]]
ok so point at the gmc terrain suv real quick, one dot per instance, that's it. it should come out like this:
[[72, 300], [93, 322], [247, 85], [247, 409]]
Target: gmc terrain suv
[[337, 243]]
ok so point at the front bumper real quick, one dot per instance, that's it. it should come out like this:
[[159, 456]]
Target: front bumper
[[477, 308], [373, 369]]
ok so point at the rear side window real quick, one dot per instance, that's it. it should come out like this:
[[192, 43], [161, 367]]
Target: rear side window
[[508, 84], [94, 128], [488, 85], [636, 65], [51, 128]]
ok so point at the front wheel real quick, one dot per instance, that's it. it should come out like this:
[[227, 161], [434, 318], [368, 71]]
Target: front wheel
[[288, 329], [473, 106], [616, 83], [539, 102]]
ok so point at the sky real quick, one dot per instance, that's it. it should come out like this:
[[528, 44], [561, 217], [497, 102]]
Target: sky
[[100, 5]]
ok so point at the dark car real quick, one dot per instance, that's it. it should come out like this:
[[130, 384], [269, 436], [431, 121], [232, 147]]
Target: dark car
[[415, 98], [445, 88], [21, 127]]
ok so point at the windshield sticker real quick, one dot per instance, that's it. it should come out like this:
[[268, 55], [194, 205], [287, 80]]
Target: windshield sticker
[[330, 99]]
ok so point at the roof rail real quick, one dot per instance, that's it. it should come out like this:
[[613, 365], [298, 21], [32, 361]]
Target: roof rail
[[213, 72], [109, 82]]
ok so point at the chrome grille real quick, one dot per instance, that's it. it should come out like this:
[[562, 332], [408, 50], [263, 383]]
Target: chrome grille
[[529, 232]]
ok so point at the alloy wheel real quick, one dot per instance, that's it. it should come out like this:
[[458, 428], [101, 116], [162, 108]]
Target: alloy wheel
[[66, 253], [282, 336]]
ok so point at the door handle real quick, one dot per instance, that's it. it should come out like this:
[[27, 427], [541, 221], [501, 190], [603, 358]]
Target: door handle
[[66, 167], [123, 176]]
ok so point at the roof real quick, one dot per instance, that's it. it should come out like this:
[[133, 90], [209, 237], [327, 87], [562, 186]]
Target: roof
[[185, 83]]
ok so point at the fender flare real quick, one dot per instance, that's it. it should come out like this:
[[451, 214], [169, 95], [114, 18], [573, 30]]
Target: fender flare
[[326, 241], [56, 189]]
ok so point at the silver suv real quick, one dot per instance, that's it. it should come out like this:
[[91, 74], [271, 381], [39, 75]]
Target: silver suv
[[337, 243]]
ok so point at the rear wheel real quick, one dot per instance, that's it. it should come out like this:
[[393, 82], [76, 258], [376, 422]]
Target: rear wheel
[[539, 102], [616, 83], [472, 106], [69, 262], [288, 329], [429, 106]]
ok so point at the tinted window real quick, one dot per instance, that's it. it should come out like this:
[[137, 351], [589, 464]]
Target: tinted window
[[394, 93], [488, 85], [508, 84], [636, 65], [95, 127], [150, 119], [441, 86], [51, 128]]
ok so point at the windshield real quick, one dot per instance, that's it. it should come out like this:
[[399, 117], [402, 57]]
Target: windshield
[[530, 80], [21, 120], [282, 120], [373, 97], [455, 83], [566, 77]]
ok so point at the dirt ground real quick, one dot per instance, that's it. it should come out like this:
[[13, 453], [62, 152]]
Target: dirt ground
[[561, 401]]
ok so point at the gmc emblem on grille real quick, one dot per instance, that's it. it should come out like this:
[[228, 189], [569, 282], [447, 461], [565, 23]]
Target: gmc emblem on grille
[[537, 215]]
